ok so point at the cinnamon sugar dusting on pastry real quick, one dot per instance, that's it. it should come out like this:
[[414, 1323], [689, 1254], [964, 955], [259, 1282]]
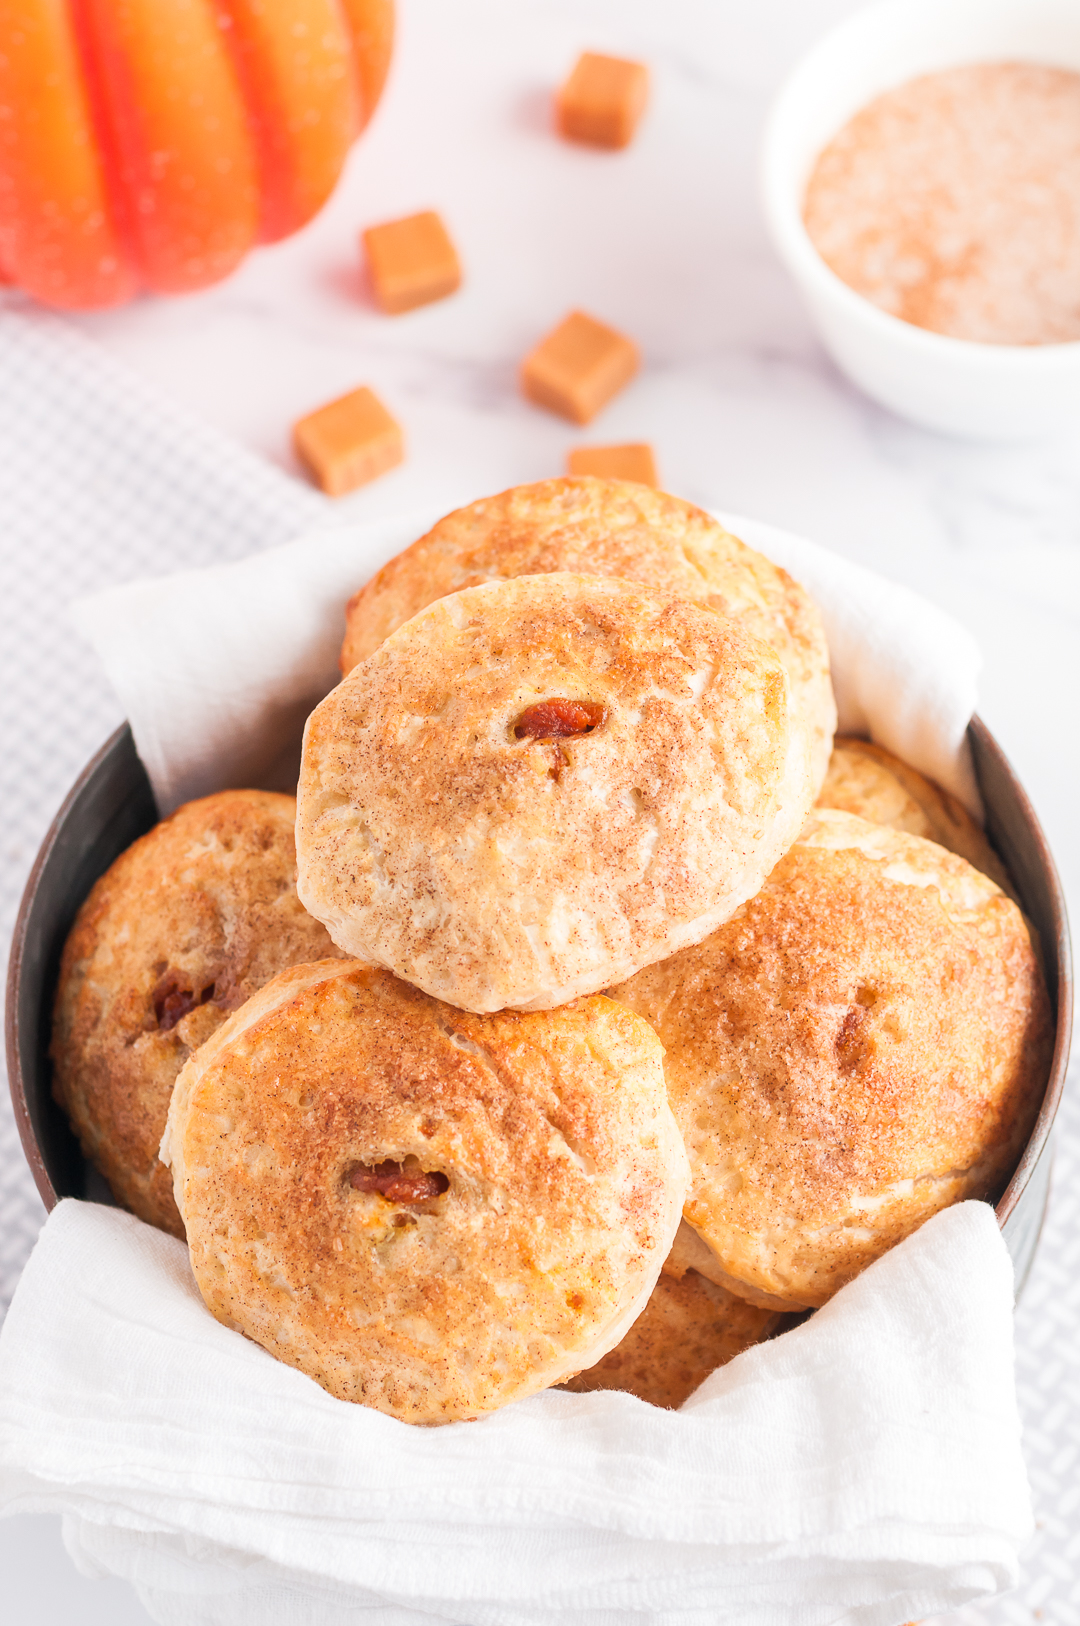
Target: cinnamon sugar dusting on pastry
[[953, 202]]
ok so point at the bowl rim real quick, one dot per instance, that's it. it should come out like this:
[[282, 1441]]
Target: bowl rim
[[16, 960], [1060, 949], [782, 203], [985, 747]]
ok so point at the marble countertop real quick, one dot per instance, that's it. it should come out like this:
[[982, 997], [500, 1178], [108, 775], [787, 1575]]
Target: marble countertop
[[666, 242]]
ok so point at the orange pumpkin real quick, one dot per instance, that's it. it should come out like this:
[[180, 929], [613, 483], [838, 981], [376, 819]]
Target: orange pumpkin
[[151, 143]]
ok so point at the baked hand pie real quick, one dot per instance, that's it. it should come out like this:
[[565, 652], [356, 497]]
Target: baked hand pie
[[190, 920], [870, 782], [866, 1041], [606, 528], [689, 1328], [429, 1212], [535, 787]]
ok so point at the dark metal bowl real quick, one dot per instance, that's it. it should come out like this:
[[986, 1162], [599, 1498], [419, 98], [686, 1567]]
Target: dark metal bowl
[[111, 804]]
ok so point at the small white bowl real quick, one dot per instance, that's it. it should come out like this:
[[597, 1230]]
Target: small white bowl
[[990, 391]]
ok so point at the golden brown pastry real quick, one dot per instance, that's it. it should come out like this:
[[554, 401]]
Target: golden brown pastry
[[606, 528], [866, 1041], [688, 1329], [428, 1212], [535, 787], [870, 782], [189, 921], [689, 1251]]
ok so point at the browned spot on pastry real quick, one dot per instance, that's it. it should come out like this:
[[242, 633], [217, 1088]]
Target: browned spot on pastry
[[555, 719], [172, 1001], [399, 1182], [848, 1045]]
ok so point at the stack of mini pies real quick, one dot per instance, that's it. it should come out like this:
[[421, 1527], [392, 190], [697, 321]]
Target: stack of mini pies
[[608, 1013]]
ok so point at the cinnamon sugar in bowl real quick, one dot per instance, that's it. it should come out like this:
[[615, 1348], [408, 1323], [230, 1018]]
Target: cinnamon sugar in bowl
[[921, 178], [953, 202]]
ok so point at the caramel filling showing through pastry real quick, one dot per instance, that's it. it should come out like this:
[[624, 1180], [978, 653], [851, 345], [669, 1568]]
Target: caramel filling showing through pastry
[[399, 1182], [172, 1001], [556, 719]]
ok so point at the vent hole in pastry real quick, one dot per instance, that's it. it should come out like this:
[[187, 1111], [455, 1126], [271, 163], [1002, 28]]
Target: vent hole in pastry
[[461, 1042], [172, 1001], [559, 719], [405, 1182], [578, 1154]]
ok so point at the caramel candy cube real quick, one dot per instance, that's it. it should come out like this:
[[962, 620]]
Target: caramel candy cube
[[348, 442], [578, 368], [602, 101], [412, 262], [634, 461]]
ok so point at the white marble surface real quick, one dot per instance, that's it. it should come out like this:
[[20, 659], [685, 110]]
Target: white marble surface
[[666, 242]]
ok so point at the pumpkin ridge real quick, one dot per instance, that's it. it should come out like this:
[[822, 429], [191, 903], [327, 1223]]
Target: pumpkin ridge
[[300, 89], [371, 27], [185, 156], [105, 138]]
